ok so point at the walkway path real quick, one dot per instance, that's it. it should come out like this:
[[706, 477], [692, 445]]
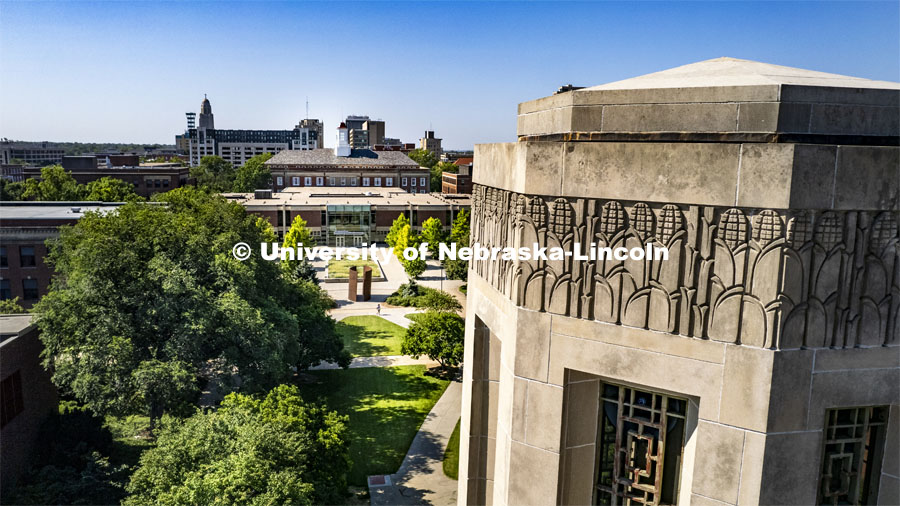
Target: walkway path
[[421, 478], [381, 361]]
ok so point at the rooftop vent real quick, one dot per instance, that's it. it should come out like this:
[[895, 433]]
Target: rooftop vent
[[76, 209], [567, 87], [262, 194]]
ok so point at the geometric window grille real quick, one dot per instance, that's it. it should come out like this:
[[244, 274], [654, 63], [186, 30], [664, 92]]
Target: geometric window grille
[[641, 437], [851, 461]]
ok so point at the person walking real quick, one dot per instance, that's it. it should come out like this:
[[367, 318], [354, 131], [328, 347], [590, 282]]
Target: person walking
[[378, 309]]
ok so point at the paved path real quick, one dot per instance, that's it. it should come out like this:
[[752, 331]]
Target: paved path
[[392, 314], [382, 361], [421, 478]]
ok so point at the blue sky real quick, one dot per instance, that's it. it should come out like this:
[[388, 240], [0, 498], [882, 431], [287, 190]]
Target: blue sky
[[127, 72]]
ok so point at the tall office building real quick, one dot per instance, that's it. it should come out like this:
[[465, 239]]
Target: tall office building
[[376, 131], [238, 146], [431, 143]]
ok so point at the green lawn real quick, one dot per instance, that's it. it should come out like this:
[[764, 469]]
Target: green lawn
[[369, 336], [451, 455], [386, 405], [338, 268]]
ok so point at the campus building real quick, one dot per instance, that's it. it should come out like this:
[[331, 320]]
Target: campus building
[[238, 146], [431, 143], [24, 230], [758, 364], [461, 182], [349, 216], [29, 153], [27, 396], [147, 178], [344, 166]]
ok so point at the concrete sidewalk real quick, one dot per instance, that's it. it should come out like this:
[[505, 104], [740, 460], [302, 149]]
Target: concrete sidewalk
[[421, 478], [381, 361]]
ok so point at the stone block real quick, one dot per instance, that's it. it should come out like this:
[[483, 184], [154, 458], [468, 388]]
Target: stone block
[[676, 375], [758, 117], [844, 119], [717, 468], [493, 401], [746, 387], [891, 463], [578, 476], [587, 118], [840, 95], [689, 173], [857, 358], [791, 468], [766, 172], [532, 344], [543, 416], [849, 388], [699, 500], [812, 181], [668, 344], [670, 118], [867, 178], [520, 396], [582, 408], [543, 165], [793, 118], [791, 377], [752, 468], [889, 491], [533, 475]]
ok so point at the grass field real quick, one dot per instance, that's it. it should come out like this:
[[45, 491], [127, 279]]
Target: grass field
[[337, 269], [369, 336], [386, 405], [451, 455]]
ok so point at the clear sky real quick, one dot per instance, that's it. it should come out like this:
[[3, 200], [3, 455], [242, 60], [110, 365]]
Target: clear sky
[[127, 72]]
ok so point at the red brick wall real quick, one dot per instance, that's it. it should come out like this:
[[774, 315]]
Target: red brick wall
[[15, 273]]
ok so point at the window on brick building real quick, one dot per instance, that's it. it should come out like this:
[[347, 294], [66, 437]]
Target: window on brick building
[[365, 181], [5, 292], [320, 181], [11, 401], [851, 458], [29, 289], [26, 256], [307, 181], [640, 441], [377, 181], [404, 182], [4, 258], [422, 181], [389, 181], [279, 181]]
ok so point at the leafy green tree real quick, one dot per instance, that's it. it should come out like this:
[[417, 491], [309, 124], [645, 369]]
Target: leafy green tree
[[214, 174], [186, 303], [406, 239], [10, 190], [253, 175], [433, 234], [459, 234], [55, 185], [11, 306], [423, 157], [439, 335], [110, 189], [438, 300], [298, 235], [396, 227], [438, 171], [275, 450]]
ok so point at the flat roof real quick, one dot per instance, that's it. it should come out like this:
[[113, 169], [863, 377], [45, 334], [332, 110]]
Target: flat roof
[[330, 195], [13, 324], [52, 210]]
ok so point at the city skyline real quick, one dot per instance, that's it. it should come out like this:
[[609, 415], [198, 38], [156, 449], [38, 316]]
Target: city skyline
[[125, 72]]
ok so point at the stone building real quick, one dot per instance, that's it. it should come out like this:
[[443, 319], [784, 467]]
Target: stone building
[[759, 364]]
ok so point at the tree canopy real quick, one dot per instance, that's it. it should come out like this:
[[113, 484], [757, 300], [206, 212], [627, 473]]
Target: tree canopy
[[151, 295], [214, 173], [433, 234], [253, 175], [396, 227], [423, 157], [110, 189], [55, 184], [439, 335], [459, 234], [274, 450]]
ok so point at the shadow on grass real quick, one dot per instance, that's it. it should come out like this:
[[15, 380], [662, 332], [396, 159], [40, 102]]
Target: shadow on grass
[[369, 336], [386, 406]]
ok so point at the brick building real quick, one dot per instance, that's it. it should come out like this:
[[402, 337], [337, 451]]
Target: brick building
[[147, 178], [349, 216], [24, 229], [27, 396], [347, 167]]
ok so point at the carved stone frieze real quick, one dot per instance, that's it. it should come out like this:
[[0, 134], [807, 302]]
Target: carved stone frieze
[[768, 278]]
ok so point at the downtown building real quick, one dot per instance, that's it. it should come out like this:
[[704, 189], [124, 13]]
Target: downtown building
[[37, 154], [344, 166], [758, 364], [237, 146]]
